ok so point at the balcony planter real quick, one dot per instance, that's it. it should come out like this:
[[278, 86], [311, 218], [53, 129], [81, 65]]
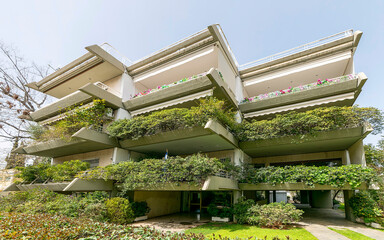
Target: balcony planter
[[219, 219]]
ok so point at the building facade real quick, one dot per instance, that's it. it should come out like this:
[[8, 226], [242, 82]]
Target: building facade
[[277, 84]]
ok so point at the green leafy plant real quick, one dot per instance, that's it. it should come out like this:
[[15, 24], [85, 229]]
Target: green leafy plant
[[92, 116], [354, 175], [149, 173], [311, 122], [55, 173], [364, 206], [173, 119], [140, 208], [273, 215], [119, 210], [241, 208], [220, 206]]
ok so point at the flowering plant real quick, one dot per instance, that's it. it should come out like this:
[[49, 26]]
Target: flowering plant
[[318, 83], [148, 91]]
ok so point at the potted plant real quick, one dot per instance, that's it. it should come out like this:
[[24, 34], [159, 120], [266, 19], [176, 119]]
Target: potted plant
[[220, 213], [140, 210]]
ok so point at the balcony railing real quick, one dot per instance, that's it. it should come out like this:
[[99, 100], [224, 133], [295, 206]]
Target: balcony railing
[[149, 91], [319, 83], [298, 49], [116, 54], [107, 88]]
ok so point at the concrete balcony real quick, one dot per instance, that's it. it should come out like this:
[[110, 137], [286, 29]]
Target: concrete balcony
[[84, 140], [210, 84], [322, 142], [343, 91], [84, 95], [209, 138]]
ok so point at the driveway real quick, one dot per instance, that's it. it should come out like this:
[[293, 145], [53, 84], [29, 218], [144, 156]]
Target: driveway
[[317, 222]]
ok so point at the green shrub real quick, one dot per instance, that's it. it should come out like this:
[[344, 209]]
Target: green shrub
[[273, 215], [88, 205], [353, 174], [221, 206], [364, 206], [172, 119], [119, 210], [56, 173], [140, 208], [193, 169], [311, 122], [76, 117], [240, 209]]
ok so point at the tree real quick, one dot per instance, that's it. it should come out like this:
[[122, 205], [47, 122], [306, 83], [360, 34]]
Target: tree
[[17, 100], [374, 155]]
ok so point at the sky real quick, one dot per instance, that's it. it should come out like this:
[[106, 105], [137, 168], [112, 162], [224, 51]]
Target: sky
[[56, 32]]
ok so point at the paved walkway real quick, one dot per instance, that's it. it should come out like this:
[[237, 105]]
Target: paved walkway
[[317, 222], [175, 222]]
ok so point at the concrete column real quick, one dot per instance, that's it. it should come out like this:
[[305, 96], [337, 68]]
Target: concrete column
[[128, 89], [348, 194], [321, 199], [357, 154], [121, 114], [346, 160], [120, 155]]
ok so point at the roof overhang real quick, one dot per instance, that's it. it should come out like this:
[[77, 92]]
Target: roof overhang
[[193, 43], [95, 66], [321, 142], [211, 137]]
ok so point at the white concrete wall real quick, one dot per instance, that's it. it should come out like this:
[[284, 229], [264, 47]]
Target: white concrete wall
[[105, 157], [115, 84], [187, 66], [161, 203]]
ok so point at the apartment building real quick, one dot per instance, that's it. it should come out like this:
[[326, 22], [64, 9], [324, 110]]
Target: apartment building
[[261, 89]]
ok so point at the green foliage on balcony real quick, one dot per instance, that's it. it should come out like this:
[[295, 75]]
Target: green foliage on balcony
[[149, 173], [311, 122], [55, 173], [173, 119], [354, 175], [75, 118]]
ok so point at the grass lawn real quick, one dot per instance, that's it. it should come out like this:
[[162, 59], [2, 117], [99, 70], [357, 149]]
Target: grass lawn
[[351, 234], [245, 231]]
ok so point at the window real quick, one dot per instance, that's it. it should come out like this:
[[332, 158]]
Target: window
[[92, 162]]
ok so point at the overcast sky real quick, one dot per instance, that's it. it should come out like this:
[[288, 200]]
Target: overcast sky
[[56, 32]]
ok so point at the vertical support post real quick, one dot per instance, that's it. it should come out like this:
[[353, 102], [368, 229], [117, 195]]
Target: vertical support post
[[348, 194]]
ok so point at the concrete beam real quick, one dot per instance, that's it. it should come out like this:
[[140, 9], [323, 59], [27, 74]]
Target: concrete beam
[[94, 136], [101, 53], [97, 92], [83, 185]]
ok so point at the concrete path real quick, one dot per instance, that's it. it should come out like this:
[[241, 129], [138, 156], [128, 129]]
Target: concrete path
[[317, 222]]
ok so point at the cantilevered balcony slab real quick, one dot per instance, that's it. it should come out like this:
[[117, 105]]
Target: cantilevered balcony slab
[[338, 94], [85, 140], [96, 91], [55, 108], [183, 92], [211, 137], [56, 187], [322, 142], [213, 183], [97, 65], [84, 185], [296, 187]]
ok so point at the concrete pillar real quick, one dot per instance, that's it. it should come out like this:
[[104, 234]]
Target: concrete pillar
[[128, 89], [121, 114], [120, 155], [357, 154], [348, 194], [321, 199], [346, 160]]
